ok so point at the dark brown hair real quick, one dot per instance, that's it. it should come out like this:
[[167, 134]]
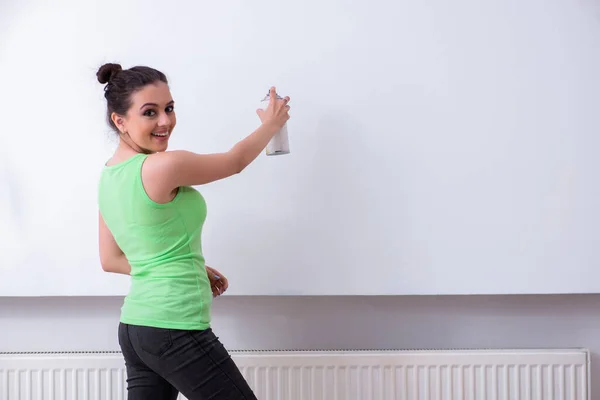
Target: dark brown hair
[[122, 83]]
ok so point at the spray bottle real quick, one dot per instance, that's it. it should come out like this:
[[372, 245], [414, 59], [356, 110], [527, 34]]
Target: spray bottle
[[279, 143]]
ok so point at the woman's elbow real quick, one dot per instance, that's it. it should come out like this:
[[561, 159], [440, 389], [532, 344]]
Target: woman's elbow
[[106, 266]]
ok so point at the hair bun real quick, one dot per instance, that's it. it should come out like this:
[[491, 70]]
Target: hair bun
[[107, 71]]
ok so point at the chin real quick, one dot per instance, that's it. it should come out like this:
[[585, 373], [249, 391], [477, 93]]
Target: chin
[[159, 145]]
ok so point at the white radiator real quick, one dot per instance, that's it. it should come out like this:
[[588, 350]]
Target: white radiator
[[552, 374]]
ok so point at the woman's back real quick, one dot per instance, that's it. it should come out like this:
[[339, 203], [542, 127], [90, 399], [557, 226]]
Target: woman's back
[[162, 242]]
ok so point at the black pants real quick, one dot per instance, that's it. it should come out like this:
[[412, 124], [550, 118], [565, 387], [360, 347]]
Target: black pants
[[161, 363]]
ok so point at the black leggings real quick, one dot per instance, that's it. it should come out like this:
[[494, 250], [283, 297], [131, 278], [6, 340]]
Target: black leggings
[[161, 363]]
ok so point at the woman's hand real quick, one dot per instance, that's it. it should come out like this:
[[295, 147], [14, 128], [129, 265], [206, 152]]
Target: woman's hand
[[277, 112], [218, 282]]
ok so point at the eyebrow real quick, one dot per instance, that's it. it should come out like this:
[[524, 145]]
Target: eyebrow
[[156, 105]]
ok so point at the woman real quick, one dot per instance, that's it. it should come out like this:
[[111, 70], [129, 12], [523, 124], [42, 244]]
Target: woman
[[150, 225]]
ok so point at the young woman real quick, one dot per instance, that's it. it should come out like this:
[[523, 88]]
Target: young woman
[[150, 225]]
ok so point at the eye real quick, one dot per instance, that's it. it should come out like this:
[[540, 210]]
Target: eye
[[170, 109], [149, 113]]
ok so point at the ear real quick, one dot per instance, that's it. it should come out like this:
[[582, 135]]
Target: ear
[[119, 122]]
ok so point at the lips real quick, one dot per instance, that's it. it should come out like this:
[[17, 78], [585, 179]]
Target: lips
[[160, 134]]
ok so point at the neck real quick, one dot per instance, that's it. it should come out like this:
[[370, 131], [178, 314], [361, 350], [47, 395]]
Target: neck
[[127, 146]]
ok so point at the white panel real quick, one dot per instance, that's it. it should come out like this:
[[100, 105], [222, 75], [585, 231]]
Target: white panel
[[437, 147], [393, 375]]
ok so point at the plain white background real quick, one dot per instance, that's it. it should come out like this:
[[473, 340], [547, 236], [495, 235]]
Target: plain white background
[[452, 146], [328, 323]]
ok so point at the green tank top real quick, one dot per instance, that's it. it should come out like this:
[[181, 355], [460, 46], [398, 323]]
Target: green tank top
[[169, 286]]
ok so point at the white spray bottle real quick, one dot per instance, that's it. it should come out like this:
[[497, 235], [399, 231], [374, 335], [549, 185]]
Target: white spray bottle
[[279, 143]]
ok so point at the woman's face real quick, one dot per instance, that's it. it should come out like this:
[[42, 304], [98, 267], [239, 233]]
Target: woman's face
[[150, 120]]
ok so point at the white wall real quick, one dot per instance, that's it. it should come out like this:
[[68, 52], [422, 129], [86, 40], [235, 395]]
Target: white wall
[[465, 132], [328, 323]]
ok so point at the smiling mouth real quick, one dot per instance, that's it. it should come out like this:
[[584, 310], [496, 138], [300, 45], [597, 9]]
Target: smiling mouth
[[165, 134]]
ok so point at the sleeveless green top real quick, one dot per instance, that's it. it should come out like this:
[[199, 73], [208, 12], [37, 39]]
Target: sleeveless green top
[[169, 285]]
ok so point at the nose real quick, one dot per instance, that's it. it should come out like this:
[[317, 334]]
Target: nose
[[164, 120]]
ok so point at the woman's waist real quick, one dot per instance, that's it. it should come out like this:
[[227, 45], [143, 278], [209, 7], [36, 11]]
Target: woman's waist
[[174, 268]]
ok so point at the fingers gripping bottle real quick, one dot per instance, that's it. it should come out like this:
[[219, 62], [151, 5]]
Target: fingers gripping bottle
[[279, 143]]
